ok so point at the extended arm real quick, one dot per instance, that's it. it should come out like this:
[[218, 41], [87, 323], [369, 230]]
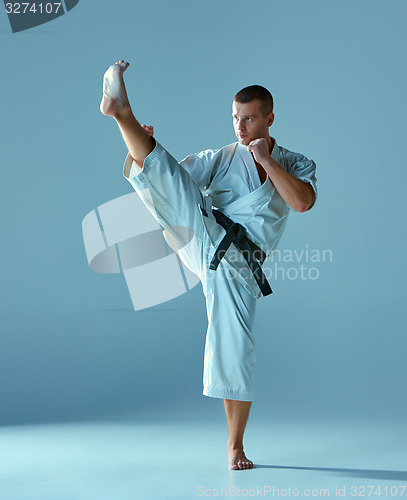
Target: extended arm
[[299, 195]]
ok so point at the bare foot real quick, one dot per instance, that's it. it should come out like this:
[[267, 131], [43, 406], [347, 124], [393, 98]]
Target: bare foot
[[115, 102], [237, 459]]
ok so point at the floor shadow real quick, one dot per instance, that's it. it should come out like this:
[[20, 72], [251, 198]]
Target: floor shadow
[[395, 475]]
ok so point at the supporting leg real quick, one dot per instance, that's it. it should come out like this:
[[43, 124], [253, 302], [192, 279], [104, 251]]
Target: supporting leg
[[237, 413]]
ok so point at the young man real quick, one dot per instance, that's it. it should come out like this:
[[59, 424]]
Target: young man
[[223, 212]]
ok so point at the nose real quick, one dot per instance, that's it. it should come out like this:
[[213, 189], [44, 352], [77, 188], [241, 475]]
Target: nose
[[240, 125]]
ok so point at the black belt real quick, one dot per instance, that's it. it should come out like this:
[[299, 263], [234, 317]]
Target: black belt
[[236, 233]]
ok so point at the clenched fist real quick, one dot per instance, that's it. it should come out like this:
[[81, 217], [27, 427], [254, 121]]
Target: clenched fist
[[260, 150]]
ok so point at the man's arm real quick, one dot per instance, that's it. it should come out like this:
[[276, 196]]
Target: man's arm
[[297, 194]]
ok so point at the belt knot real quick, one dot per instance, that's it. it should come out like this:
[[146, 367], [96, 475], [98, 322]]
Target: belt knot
[[241, 235], [254, 255]]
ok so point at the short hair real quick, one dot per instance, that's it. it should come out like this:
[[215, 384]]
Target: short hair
[[258, 92]]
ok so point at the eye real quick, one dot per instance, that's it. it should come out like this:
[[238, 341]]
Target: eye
[[249, 119]]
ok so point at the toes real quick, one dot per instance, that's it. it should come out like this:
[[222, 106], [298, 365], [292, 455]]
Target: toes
[[118, 67], [246, 464], [233, 464], [122, 64]]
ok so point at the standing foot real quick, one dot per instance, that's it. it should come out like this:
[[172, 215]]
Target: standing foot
[[115, 102], [237, 460]]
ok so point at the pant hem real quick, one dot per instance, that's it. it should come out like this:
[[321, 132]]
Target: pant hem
[[222, 394]]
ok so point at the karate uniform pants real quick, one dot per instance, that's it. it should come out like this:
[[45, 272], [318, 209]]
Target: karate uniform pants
[[172, 197]]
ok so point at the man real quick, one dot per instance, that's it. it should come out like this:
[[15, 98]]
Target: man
[[223, 213]]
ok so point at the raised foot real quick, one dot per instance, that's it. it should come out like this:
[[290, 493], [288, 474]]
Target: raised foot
[[114, 101]]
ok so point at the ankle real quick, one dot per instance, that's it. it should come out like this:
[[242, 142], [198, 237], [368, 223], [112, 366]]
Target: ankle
[[123, 114], [234, 444]]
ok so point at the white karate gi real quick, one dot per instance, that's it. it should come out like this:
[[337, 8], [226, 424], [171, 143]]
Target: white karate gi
[[226, 179]]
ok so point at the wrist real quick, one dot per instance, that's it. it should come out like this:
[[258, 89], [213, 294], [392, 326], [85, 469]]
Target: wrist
[[268, 163]]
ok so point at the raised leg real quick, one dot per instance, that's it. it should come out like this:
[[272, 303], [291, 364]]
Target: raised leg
[[166, 189], [115, 103]]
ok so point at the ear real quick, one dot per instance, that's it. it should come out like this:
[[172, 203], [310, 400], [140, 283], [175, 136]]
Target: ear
[[270, 119]]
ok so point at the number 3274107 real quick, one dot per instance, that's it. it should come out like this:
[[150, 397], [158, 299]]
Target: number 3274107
[[33, 7]]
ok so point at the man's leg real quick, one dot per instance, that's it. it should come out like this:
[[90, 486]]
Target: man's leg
[[165, 188], [115, 103], [230, 355], [237, 413]]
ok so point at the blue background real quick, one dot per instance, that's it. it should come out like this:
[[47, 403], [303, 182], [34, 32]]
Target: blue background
[[71, 346]]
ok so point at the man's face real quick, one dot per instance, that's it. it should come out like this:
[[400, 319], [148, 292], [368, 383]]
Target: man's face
[[249, 121]]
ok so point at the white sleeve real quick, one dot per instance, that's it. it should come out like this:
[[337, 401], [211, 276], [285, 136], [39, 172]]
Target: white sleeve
[[302, 168]]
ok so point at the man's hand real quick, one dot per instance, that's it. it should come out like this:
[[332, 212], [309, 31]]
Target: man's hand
[[260, 150], [149, 129]]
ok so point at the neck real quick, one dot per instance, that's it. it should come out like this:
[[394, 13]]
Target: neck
[[270, 142]]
